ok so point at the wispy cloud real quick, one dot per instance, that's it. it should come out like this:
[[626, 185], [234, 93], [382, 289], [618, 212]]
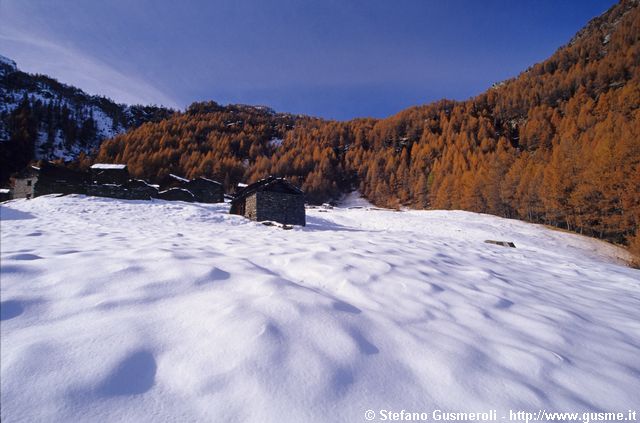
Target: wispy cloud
[[36, 54]]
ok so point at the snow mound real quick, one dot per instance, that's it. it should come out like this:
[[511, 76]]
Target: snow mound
[[158, 311]]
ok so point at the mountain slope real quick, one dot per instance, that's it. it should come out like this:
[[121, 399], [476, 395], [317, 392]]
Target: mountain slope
[[41, 118], [168, 311], [207, 139], [559, 144]]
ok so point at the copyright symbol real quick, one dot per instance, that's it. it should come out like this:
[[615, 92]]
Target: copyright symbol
[[369, 414]]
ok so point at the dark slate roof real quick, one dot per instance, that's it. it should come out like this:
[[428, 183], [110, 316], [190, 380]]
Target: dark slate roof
[[202, 178], [176, 194], [28, 172], [48, 168], [52, 170], [140, 183], [186, 181], [265, 184]]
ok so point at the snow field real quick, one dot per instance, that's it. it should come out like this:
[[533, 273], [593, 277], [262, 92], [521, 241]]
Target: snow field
[[164, 311]]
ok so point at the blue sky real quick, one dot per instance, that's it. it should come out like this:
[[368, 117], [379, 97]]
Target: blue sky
[[331, 58]]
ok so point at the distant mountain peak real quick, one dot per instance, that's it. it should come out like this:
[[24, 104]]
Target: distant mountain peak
[[7, 65]]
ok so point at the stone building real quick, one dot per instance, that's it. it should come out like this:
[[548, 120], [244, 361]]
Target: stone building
[[47, 179], [133, 189], [107, 173], [273, 199], [24, 182], [176, 194], [54, 179], [204, 190], [137, 189]]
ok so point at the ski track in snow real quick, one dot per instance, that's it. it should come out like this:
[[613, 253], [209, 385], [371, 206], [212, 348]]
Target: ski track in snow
[[166, 311]]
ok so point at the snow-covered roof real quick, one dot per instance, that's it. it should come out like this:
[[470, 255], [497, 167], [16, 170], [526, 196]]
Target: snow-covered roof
[[108, 166], [4, 191], [209, 180], [141, 182], [179, 178], [176, 189]]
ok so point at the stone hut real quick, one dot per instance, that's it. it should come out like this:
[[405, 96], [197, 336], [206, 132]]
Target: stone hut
[[54, 179], [106, 173], [133, 189], [24, 182], [47, 179], [204, 190], [176, 194], [137, 189], [106, 190], [273, 199]]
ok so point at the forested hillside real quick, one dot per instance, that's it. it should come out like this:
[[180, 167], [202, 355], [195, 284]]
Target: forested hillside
[[559, 144], [41, 118]]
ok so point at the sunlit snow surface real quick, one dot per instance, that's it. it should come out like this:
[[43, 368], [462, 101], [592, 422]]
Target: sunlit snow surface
[[158, 311]]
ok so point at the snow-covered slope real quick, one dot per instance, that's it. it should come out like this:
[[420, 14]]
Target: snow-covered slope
[[154, 311], [65, 121], [7, 65]]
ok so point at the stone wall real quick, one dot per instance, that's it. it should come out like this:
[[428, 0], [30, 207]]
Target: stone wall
[[205, 191], [279, 207], [132, 190], [109, 176], [46, 186], [251, 207], [106, 190], [138, 189], [176, 194], [54, 179], [24, 188]]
